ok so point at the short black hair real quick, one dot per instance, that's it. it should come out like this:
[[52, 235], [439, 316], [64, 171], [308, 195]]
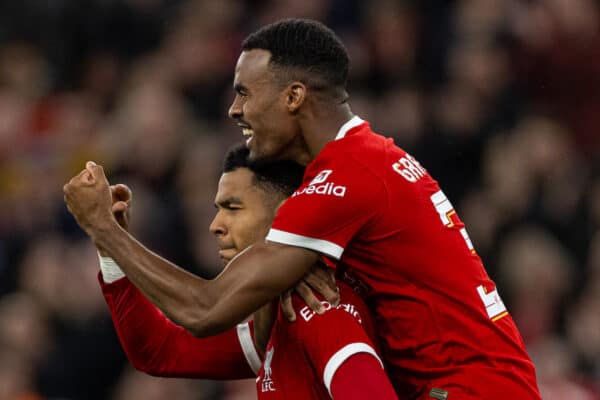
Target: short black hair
[[306, 45], [283, 176]]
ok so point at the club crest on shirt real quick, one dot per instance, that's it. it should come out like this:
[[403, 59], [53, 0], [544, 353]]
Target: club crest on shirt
[[267, 384]]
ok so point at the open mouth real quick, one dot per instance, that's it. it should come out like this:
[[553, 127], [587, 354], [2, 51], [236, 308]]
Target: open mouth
[[248, 134], [246, 130]]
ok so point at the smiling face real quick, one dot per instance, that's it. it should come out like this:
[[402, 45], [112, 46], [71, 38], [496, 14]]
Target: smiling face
[[244, 212], [263, 107]]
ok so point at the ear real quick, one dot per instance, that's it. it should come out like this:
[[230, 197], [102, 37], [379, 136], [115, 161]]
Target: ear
[[295, 96]]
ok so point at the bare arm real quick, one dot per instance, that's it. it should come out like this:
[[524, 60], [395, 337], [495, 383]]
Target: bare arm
[[264, 319], [205, 307]]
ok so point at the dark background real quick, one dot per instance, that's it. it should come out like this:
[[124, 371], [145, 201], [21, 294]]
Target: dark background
[[498, 99]]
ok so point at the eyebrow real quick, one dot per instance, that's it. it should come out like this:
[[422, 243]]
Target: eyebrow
[[228, 202]]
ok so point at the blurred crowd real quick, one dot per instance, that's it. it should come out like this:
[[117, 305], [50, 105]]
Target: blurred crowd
[[498, 99]]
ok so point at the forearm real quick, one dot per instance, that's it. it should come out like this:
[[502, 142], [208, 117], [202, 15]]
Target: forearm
[[263, 324], [167, 286], [206, 307]]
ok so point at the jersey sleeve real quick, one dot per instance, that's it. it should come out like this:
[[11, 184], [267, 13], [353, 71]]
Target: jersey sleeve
[[361, 377], [156, 345], [328, 211], [331, 339]]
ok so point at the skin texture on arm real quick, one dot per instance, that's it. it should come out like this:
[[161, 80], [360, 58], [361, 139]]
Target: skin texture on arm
[[204, 307], [264, 319]]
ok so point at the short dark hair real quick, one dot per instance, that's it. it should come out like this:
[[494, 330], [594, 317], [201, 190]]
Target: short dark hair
[[283, 176], [304, 45]]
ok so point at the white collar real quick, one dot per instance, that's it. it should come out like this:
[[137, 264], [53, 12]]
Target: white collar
[[352, 123]]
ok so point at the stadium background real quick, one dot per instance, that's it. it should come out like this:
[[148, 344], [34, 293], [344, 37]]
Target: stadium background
[[498, 99]]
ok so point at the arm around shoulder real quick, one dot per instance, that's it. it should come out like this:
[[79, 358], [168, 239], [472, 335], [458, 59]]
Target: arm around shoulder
[[208, 307], [253, 278]]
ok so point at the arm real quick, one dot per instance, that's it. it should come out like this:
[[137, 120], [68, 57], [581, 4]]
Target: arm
[[319, 278], [256, 276], [264, 319], [152, 342], [155, 345], [206, 307]]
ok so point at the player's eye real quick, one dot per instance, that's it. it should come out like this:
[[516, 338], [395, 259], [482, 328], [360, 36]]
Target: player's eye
[[241, 92]]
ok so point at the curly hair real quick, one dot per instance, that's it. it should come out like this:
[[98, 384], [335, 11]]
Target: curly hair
[[281, 176], [306, 49]]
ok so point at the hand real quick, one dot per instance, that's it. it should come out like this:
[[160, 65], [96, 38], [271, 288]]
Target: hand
[[319, 278], [121, 204], [88, 197]]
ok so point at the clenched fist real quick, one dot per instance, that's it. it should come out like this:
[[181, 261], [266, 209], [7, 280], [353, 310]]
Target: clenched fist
[[88, 197], [121, 204]]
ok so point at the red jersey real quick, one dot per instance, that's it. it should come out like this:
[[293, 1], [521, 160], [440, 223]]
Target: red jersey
[[312, 348], [301, 361], [370, 207]]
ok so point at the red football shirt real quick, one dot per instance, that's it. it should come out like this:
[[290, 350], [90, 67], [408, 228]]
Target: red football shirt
[[302, 358], [156, 345], [443, 328], [312, 349]]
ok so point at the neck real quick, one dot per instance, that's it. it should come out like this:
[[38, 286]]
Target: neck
[[321, 126]]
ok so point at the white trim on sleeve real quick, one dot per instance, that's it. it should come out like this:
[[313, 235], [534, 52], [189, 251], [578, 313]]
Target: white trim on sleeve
[[111, 272], [342, 355], [353, 122], [247, 343], [322, 246]]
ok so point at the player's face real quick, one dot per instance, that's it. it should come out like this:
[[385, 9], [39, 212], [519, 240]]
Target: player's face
[[260, 108], [244, 214]]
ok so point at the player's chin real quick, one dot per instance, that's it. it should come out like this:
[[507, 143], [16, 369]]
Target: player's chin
[[255, 154], [260, 153]]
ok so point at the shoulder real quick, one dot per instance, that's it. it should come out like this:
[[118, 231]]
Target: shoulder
[[363, 154], [342, 172]]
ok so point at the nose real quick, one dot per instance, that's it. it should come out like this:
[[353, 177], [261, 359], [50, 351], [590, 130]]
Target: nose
[[235, 110], [217, 227]]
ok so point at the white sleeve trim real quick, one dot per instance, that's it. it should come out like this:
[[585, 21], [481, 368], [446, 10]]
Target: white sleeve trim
[[247, 343], [322, 246], [342, 355], [111, 271]]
